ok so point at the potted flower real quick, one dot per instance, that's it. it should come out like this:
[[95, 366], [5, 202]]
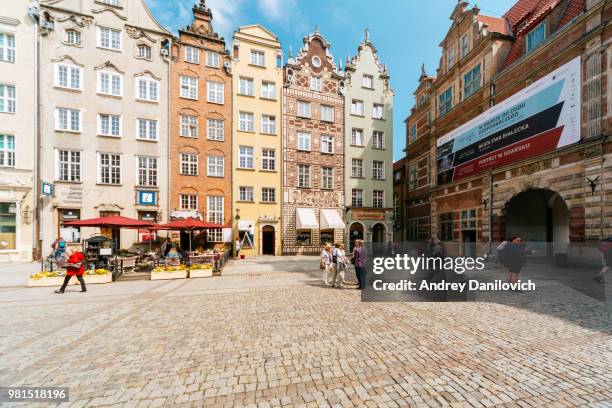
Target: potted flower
[[41, 279], [98, 276], [169, 272], [200, 270]]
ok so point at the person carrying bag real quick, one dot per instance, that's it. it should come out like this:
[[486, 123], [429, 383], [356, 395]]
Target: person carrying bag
[[75, 266]]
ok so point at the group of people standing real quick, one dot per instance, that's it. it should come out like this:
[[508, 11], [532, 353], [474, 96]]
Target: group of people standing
[[335, 262]]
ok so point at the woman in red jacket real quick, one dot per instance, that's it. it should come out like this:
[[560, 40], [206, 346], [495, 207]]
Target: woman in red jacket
[[74, 267]]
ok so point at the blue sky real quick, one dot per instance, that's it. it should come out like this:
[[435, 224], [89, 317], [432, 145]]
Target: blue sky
[[405, 32]]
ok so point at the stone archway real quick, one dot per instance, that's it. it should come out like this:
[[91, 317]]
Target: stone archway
[[356, 231]]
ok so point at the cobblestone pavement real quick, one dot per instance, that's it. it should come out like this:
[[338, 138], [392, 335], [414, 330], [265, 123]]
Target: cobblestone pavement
[[267, 336]]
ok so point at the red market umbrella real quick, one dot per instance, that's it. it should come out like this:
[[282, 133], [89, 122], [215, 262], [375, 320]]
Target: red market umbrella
[[113, 221], [187, 224]]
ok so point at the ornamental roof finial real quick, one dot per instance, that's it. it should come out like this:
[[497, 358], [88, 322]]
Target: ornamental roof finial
[[367, 35], [317, 29]]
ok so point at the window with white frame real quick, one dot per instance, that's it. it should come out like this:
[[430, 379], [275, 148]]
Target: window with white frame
[[303, 175], [412, 133], [189, 201], [357, 137], [445, 101], [68, 165], [246, 87], [268, 159], [357, 197], [327, 113], [212, 59], [367, 81], [378, 170], [109, 38], [327, 144], [303, 109], [192, 55], [245, 157], [378, 139], [189, 87], [304, 141], [268, 194], [316, 83], [110, 83], [147, 171], [535, 37], [7, 47], [258, 58], [216, 165], [246, 122], [109, 168], [215, 129], [67, 120], [471, 81], [357, 107], [109, 125], [147, 89], [144, 51], [327, 178], [73, 37], [357, 168], [378, 111], [268, 124], [7, 150], [268, 90], [245, 193], [214, 235], [189, 126], [468, 219], [147, 129], [378, 198], [214, 209], [8, 98], [216, 92], [189, 164]]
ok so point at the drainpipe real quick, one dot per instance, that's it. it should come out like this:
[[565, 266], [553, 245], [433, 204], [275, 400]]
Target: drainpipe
[[37, 149]]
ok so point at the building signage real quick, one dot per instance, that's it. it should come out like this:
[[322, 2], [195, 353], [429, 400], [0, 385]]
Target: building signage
[[146, 197], [47, 189], [538, 119]]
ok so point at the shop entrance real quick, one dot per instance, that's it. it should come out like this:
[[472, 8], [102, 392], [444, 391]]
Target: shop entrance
[[378, 233], [355, 233], [268, 240]]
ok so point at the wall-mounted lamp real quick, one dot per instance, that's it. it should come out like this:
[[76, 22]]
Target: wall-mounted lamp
[[485, 202], [237, 214], [593, 184]]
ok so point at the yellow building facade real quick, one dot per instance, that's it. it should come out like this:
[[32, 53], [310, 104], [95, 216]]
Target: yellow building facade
[[257, 142]]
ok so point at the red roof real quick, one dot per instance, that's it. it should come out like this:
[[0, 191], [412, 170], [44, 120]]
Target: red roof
[[113, 221], [520, 9], [187, 224], [399, 164], [496, 24]]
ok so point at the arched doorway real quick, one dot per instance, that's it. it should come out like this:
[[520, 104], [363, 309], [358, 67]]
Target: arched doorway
[[355, 233], [268, 240], [541, 218], [378, 233]]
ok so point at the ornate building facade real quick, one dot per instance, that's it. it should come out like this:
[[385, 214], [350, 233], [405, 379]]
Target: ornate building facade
[[313, 149], [201, 127]]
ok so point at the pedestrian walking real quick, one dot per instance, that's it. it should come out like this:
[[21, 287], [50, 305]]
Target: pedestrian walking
[[59, 248], [326, 263], [515, 256], [75, 266], [500, 259], [339, 265], [605, 247], [359, 260]]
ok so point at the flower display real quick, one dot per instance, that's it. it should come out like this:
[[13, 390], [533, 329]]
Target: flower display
[[200, 266], [98, 272], [177, 268], [42, 275]]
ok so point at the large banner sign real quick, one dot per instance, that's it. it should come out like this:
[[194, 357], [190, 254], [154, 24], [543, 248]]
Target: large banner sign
[[540, 118]]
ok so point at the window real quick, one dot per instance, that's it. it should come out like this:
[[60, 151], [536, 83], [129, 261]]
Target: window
[[216, 129], [593, 93], [8, 99], [8, 223], [70, 234], [216, 92], [214, 235], [146, 129], [357, 108], [303, 175], [327, 113], [68, 120], [378, 111], [450, 59], [268, 90], [412, 176], [378, 139], [189, 164], [468, 219], [245, 193], [258, 58], [445, 101], [268, 124], [327, 178], [189, 201], [268, 194], [446, 227], [357, 137], [68, 165], [304, 109], [109, 38], [144, 51], [147, 89], [303, 141], [464, 46], [536, 37], [327, 144], [245, 157], [7, 47], [316, 84], [268, 159], [73, 37], [246, 122], [212, 59], [189, 87], [412, 133], [357, 197], [110, 83], [192, 55], [216, 165], [109, 125], [398, 175], [245, 87], [109, 168], [7, 151], [396, 207], [413, 229], [378, 198], [304, 237], [215, 212], [367, 81], [147, 171], [357, 168], [471, 81], [378, 170], [189, 126]]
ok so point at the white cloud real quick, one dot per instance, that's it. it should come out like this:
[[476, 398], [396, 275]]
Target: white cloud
[[226, 15], [277, 9]]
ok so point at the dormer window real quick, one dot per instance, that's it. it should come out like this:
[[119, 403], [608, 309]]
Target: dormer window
[[451, 58], [73, 37], [465, 48], [144, 51], [367, 81], [536, 37]]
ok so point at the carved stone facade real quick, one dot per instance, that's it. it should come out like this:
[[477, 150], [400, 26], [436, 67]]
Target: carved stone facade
[[313, 145]]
